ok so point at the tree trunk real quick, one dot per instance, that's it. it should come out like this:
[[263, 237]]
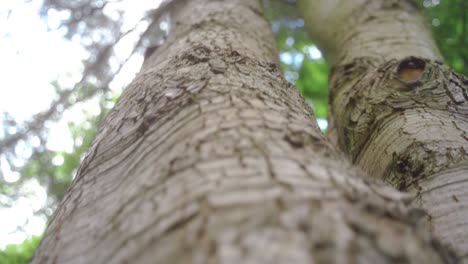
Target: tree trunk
[[210, 156], [396, 109]]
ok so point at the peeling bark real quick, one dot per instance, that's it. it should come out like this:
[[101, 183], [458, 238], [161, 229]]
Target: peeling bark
[[397, 110], [210, 156]]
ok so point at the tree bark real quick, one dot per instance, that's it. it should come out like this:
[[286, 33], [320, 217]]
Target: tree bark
[[397, 110], [210, 156]]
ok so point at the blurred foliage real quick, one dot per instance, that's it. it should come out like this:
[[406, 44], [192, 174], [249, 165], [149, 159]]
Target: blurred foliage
[[19, 253], [54, 169], [300, 60], [100, 31], [449, 20]]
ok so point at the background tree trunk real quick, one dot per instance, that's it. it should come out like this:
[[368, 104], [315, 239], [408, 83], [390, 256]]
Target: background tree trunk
[[398, 111], [210, 156]]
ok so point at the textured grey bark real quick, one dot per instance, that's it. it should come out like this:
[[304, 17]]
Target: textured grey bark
[[210, 156], [399, 112]]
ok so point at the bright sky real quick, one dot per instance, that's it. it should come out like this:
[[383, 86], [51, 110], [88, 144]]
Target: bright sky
[[30, 58]]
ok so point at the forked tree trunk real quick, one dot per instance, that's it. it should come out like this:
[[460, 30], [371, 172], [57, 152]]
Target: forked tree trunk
[[210, 156], [397, 110]]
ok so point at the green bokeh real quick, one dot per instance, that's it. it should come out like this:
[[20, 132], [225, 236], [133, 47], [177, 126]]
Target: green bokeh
[[19, 253]]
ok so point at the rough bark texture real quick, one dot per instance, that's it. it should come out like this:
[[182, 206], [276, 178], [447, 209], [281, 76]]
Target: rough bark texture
[[210, 156], [397, 110]]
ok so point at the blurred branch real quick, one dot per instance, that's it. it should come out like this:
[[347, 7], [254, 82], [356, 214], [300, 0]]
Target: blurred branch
[[36, 124]]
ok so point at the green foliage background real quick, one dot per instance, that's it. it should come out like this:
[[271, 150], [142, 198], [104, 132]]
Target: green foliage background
[[21, 253], [449, 20]]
